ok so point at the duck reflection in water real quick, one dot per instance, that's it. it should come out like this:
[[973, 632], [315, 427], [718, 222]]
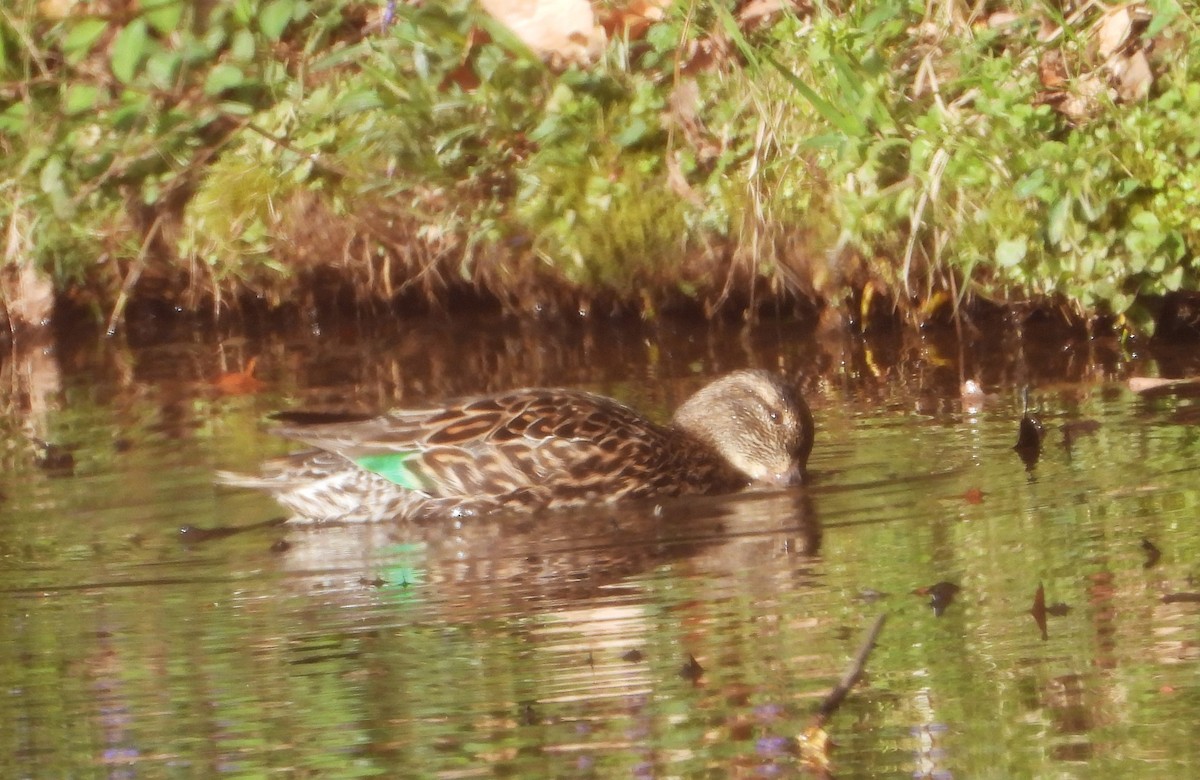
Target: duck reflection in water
[[576, 558]]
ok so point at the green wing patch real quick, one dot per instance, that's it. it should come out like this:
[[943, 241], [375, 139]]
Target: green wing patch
[[393, 466]]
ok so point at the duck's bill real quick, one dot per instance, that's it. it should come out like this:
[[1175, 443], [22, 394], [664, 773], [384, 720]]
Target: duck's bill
[[789, 478]]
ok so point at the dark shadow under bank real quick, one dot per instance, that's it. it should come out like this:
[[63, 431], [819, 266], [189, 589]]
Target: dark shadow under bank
[[469, 350], [334, 306]]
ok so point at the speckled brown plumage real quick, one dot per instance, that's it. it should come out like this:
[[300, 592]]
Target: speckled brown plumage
[[538, 447]]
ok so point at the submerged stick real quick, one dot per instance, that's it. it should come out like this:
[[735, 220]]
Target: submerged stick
[[814, 743], [852, 675]]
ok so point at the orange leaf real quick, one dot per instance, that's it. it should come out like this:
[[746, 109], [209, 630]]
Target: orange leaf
[[239, 382]]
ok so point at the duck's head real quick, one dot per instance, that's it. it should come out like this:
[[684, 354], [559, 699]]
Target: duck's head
[[756, 421]]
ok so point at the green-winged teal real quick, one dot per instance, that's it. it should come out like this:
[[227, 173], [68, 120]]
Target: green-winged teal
[[537, 448]]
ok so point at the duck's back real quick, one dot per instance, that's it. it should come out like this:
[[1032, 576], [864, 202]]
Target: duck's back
[[532, 447]]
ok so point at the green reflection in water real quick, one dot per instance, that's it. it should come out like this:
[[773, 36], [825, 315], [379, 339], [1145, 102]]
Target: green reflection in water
[[555, 647]]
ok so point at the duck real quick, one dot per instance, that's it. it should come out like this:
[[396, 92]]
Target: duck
[[536, 448]]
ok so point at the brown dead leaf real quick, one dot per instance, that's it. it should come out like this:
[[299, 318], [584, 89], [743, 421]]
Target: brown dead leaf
[[1039, 610], [1048, 29], [559, 31], [941, 595], [1052, 69], [691, 670], [1133, 77], [1153, 554], [704, 54], [239, 382], [632, 19], [757, 14], [1002, 19], [464, 76], [1113, 30], [1079, 104]]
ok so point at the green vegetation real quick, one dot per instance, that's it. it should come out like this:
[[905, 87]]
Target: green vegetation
[[919, 152]]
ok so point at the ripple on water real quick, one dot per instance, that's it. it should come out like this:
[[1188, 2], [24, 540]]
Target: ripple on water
[[691, 640]]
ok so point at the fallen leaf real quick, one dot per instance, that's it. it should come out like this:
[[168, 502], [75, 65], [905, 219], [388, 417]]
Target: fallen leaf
[[703, 54], [941, 595], [1080, 103], [632, 19], [1133, 76], [973, 496], [239, 382], [1002, 19], [1113, 29], [1052, 69], [691, 670], [559, 31], [465, 76], [1029, 439], [1048, 29], [756, 14], [1152, 553], [1039, 610]]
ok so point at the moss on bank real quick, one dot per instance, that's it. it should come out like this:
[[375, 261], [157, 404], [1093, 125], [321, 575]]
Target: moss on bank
[[922, 155]]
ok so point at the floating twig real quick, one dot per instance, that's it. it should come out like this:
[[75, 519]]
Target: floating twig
[[853, 674], [814, 742]]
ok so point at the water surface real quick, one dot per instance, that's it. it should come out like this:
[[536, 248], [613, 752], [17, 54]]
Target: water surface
[[690, 639]]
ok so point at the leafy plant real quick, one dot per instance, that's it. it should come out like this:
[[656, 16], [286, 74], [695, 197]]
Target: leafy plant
[[926, 152]]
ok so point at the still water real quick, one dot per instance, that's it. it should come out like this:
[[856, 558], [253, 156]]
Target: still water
[[155, 625]]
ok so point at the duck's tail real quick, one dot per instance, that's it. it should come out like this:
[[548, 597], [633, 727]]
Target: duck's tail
[[257, 481]]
